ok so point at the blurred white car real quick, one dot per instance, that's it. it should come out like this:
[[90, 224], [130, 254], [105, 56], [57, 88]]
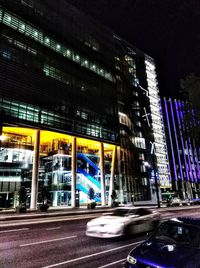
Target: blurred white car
[[123, 221], [176, 202]]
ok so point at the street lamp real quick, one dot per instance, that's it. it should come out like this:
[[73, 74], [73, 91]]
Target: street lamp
[[155, 174]]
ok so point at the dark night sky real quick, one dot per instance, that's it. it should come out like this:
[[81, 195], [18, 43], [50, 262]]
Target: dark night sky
[[167, 30]]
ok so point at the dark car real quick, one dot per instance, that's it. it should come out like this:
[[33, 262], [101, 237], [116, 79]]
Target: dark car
[[195, 201], [174, 244]]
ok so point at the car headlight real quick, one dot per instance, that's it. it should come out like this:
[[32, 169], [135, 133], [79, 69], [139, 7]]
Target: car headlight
[[131, 260]]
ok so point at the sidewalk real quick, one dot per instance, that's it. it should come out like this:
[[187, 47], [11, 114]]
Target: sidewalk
[[10, 215]]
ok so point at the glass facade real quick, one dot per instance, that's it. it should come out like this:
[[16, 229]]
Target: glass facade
[[66, 87], [55, 169], [160, 145], [56, 74], [133, 150], [183, 148], [36, 34], [69, 78]]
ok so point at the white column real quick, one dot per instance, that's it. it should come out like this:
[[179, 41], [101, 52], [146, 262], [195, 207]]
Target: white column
[[195, 189], [35, 171], [111, 188], [103, 197], [73, 185], [183, 189], [55, 199], [121, 192]]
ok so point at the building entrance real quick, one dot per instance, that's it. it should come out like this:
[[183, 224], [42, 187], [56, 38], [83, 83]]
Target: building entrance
[[61, 198], [6, 200]]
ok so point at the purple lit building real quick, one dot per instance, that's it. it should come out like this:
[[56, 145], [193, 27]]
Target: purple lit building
[[182, 147]]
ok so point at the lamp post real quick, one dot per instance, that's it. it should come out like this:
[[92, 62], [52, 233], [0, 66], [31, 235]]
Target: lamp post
[[156, 181], [155, 175], [148, 170]]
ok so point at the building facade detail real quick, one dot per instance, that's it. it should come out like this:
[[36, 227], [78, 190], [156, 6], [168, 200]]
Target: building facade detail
[[158, 129], [77, 108], [182, 146]]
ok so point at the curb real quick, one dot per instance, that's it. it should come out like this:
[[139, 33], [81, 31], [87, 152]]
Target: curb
[[51, 213]]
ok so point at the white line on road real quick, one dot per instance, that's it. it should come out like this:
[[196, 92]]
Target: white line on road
[[55, 219], [92, 255], [53, 228], [47, 241], [111, 263], [14, 230]]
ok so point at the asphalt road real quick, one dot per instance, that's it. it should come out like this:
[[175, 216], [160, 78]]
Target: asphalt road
[[63, 243]]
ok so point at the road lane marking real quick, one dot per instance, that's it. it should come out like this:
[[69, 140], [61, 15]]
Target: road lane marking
[[48, 241], [46, 220], [111, 263], [91, 255], [53, 228], [14, 230]]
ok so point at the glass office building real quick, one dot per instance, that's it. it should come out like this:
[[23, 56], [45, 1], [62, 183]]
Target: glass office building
[[142, 137], [183, 147], [70, 107]]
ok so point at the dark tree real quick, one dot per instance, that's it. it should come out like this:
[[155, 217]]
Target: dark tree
[[44, 197], [191, 85], [114, 195], [22, 196], [91, 193]]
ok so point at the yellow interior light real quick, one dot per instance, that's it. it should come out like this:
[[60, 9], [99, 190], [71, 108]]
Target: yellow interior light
[[49, 136]]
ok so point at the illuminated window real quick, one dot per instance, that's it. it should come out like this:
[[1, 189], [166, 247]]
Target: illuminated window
[[22, 27], [139, 142], [86, 63], [58, 47], [118, 77], [28, 3], [37, 35], [138, 123], [135, 93], [6, 54], [141, 156], [47, 41]]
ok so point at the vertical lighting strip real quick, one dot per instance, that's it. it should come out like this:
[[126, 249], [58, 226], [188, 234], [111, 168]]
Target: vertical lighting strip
[[188, 153], [156, 111], [181, 134], [192, 152], [185, 144], [195, 152], [192, 159], [197, 164], [192, 156], [179, 156], [190, 169], [170, 138], [176, 140]]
